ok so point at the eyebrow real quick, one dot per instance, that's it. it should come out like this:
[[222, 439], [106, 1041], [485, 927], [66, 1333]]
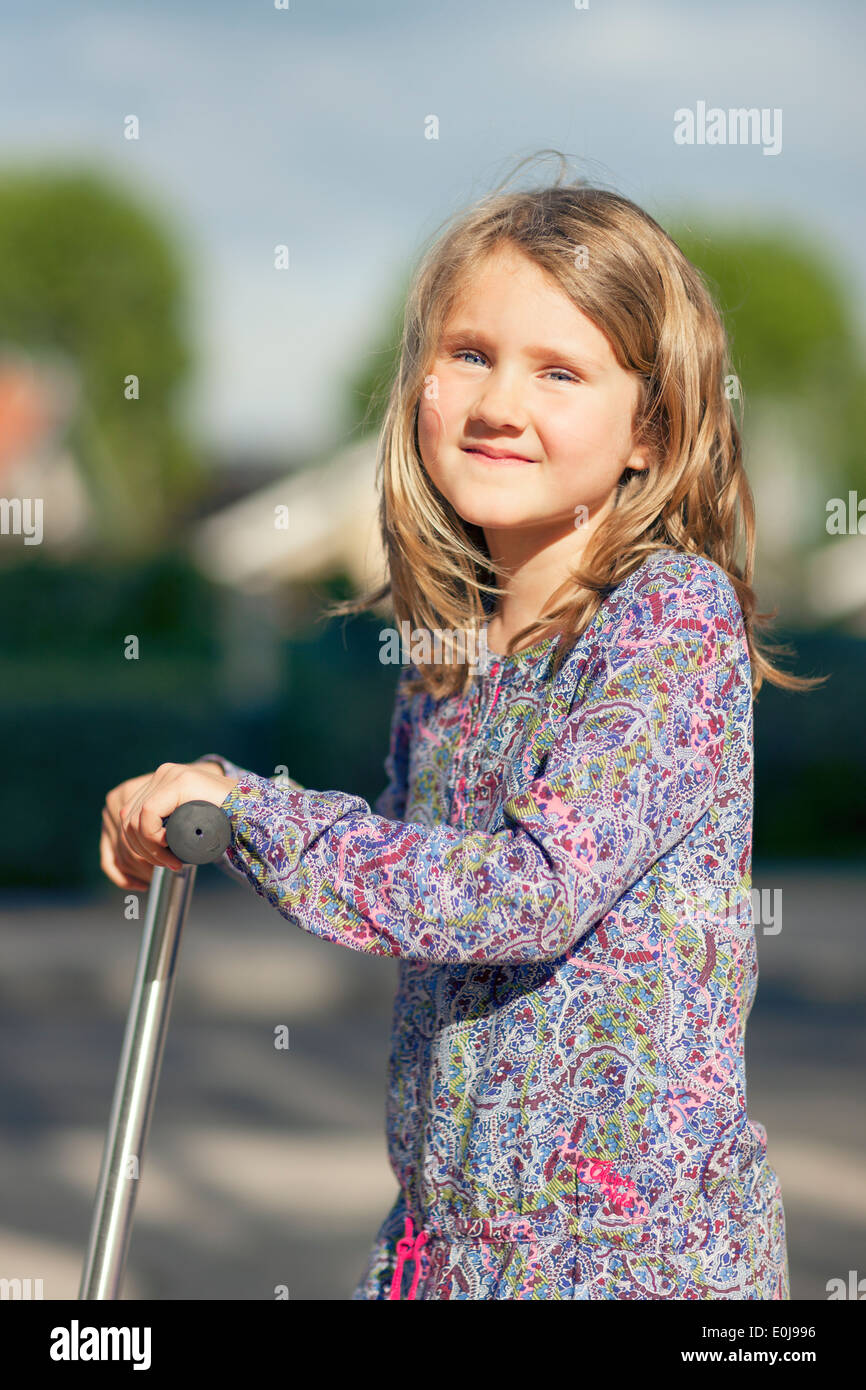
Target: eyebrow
[[540, 353]]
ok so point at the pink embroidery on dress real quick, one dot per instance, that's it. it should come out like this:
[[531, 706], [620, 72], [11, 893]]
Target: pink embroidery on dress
[[621, 1192]]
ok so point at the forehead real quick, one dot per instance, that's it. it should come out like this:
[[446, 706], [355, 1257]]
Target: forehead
[[510, 295], [504, 267]]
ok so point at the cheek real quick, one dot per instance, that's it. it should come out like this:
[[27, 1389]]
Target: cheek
[[567, 435], [438, 417], [569, 432], [430, 432]]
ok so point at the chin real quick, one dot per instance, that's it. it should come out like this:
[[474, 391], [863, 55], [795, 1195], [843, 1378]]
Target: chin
[[487, 516], [487, 510]]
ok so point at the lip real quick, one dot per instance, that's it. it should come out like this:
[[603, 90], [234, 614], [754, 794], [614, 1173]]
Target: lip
[[495, 455]]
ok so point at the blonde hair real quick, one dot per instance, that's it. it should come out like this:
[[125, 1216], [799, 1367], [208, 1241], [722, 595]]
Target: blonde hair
[[638, 288]]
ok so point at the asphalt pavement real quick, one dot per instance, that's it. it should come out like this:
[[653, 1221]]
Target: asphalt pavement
[[266, 1168]]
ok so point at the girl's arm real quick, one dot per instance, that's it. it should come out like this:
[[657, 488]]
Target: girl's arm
[[390, 802], [633, 769], [232, 770]]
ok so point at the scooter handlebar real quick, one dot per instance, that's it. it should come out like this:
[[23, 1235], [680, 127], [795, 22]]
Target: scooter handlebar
[[198, 832]]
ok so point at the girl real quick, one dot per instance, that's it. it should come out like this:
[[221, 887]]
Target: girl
[[561, 859]]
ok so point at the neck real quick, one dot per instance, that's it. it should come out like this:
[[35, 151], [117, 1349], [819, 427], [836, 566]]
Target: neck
[[537, 563]]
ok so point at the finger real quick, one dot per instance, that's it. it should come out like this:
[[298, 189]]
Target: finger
[[135, 870], [143, 825], [151, 847], [111, 822], [113, 872], [120, 795], [112, 830], [153, 831], [130, 820], [139, 869], [128, 863], [129, 830]]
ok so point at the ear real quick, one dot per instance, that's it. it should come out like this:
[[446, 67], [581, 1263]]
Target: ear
[[639, 459]]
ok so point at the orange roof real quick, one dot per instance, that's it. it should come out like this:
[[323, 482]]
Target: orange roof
[[25, 414]]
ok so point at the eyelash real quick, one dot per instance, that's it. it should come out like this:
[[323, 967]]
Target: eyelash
[[472, 352]]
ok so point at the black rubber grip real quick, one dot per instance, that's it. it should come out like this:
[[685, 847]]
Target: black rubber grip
[[198, 832]]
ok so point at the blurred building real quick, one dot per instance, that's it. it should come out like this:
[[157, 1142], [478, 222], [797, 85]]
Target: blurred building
[[836, 584], [267, 547], [307, 525]]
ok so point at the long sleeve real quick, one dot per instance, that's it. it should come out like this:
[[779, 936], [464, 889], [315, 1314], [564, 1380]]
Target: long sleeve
[[633, 768], [230, 769], [390, 802]]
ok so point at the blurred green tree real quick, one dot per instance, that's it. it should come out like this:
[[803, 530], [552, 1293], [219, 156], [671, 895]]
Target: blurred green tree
[[786, 304], [368, 384], [89, 275]]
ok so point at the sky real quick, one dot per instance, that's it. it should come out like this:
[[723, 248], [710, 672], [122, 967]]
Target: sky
[[305, 126]]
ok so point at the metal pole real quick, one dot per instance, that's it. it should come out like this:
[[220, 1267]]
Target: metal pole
[[201, 834]]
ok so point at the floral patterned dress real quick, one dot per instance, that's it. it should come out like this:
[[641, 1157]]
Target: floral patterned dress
[[563, 869]]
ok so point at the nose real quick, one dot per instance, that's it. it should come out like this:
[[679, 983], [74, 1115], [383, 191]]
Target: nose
[[499, 402]]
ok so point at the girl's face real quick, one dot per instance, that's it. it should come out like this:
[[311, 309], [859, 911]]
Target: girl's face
[[519, 370]]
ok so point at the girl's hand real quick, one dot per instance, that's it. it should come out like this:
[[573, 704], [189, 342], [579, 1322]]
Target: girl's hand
[[133, 838], [117, 863]]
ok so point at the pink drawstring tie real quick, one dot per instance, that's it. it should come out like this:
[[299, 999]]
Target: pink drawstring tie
[[411, 1248]]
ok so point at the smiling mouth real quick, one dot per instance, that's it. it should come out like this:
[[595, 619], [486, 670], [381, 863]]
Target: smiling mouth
[[498, 458]]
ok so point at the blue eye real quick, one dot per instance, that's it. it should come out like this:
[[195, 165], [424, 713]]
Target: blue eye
[[467, 352], [554, 371]]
